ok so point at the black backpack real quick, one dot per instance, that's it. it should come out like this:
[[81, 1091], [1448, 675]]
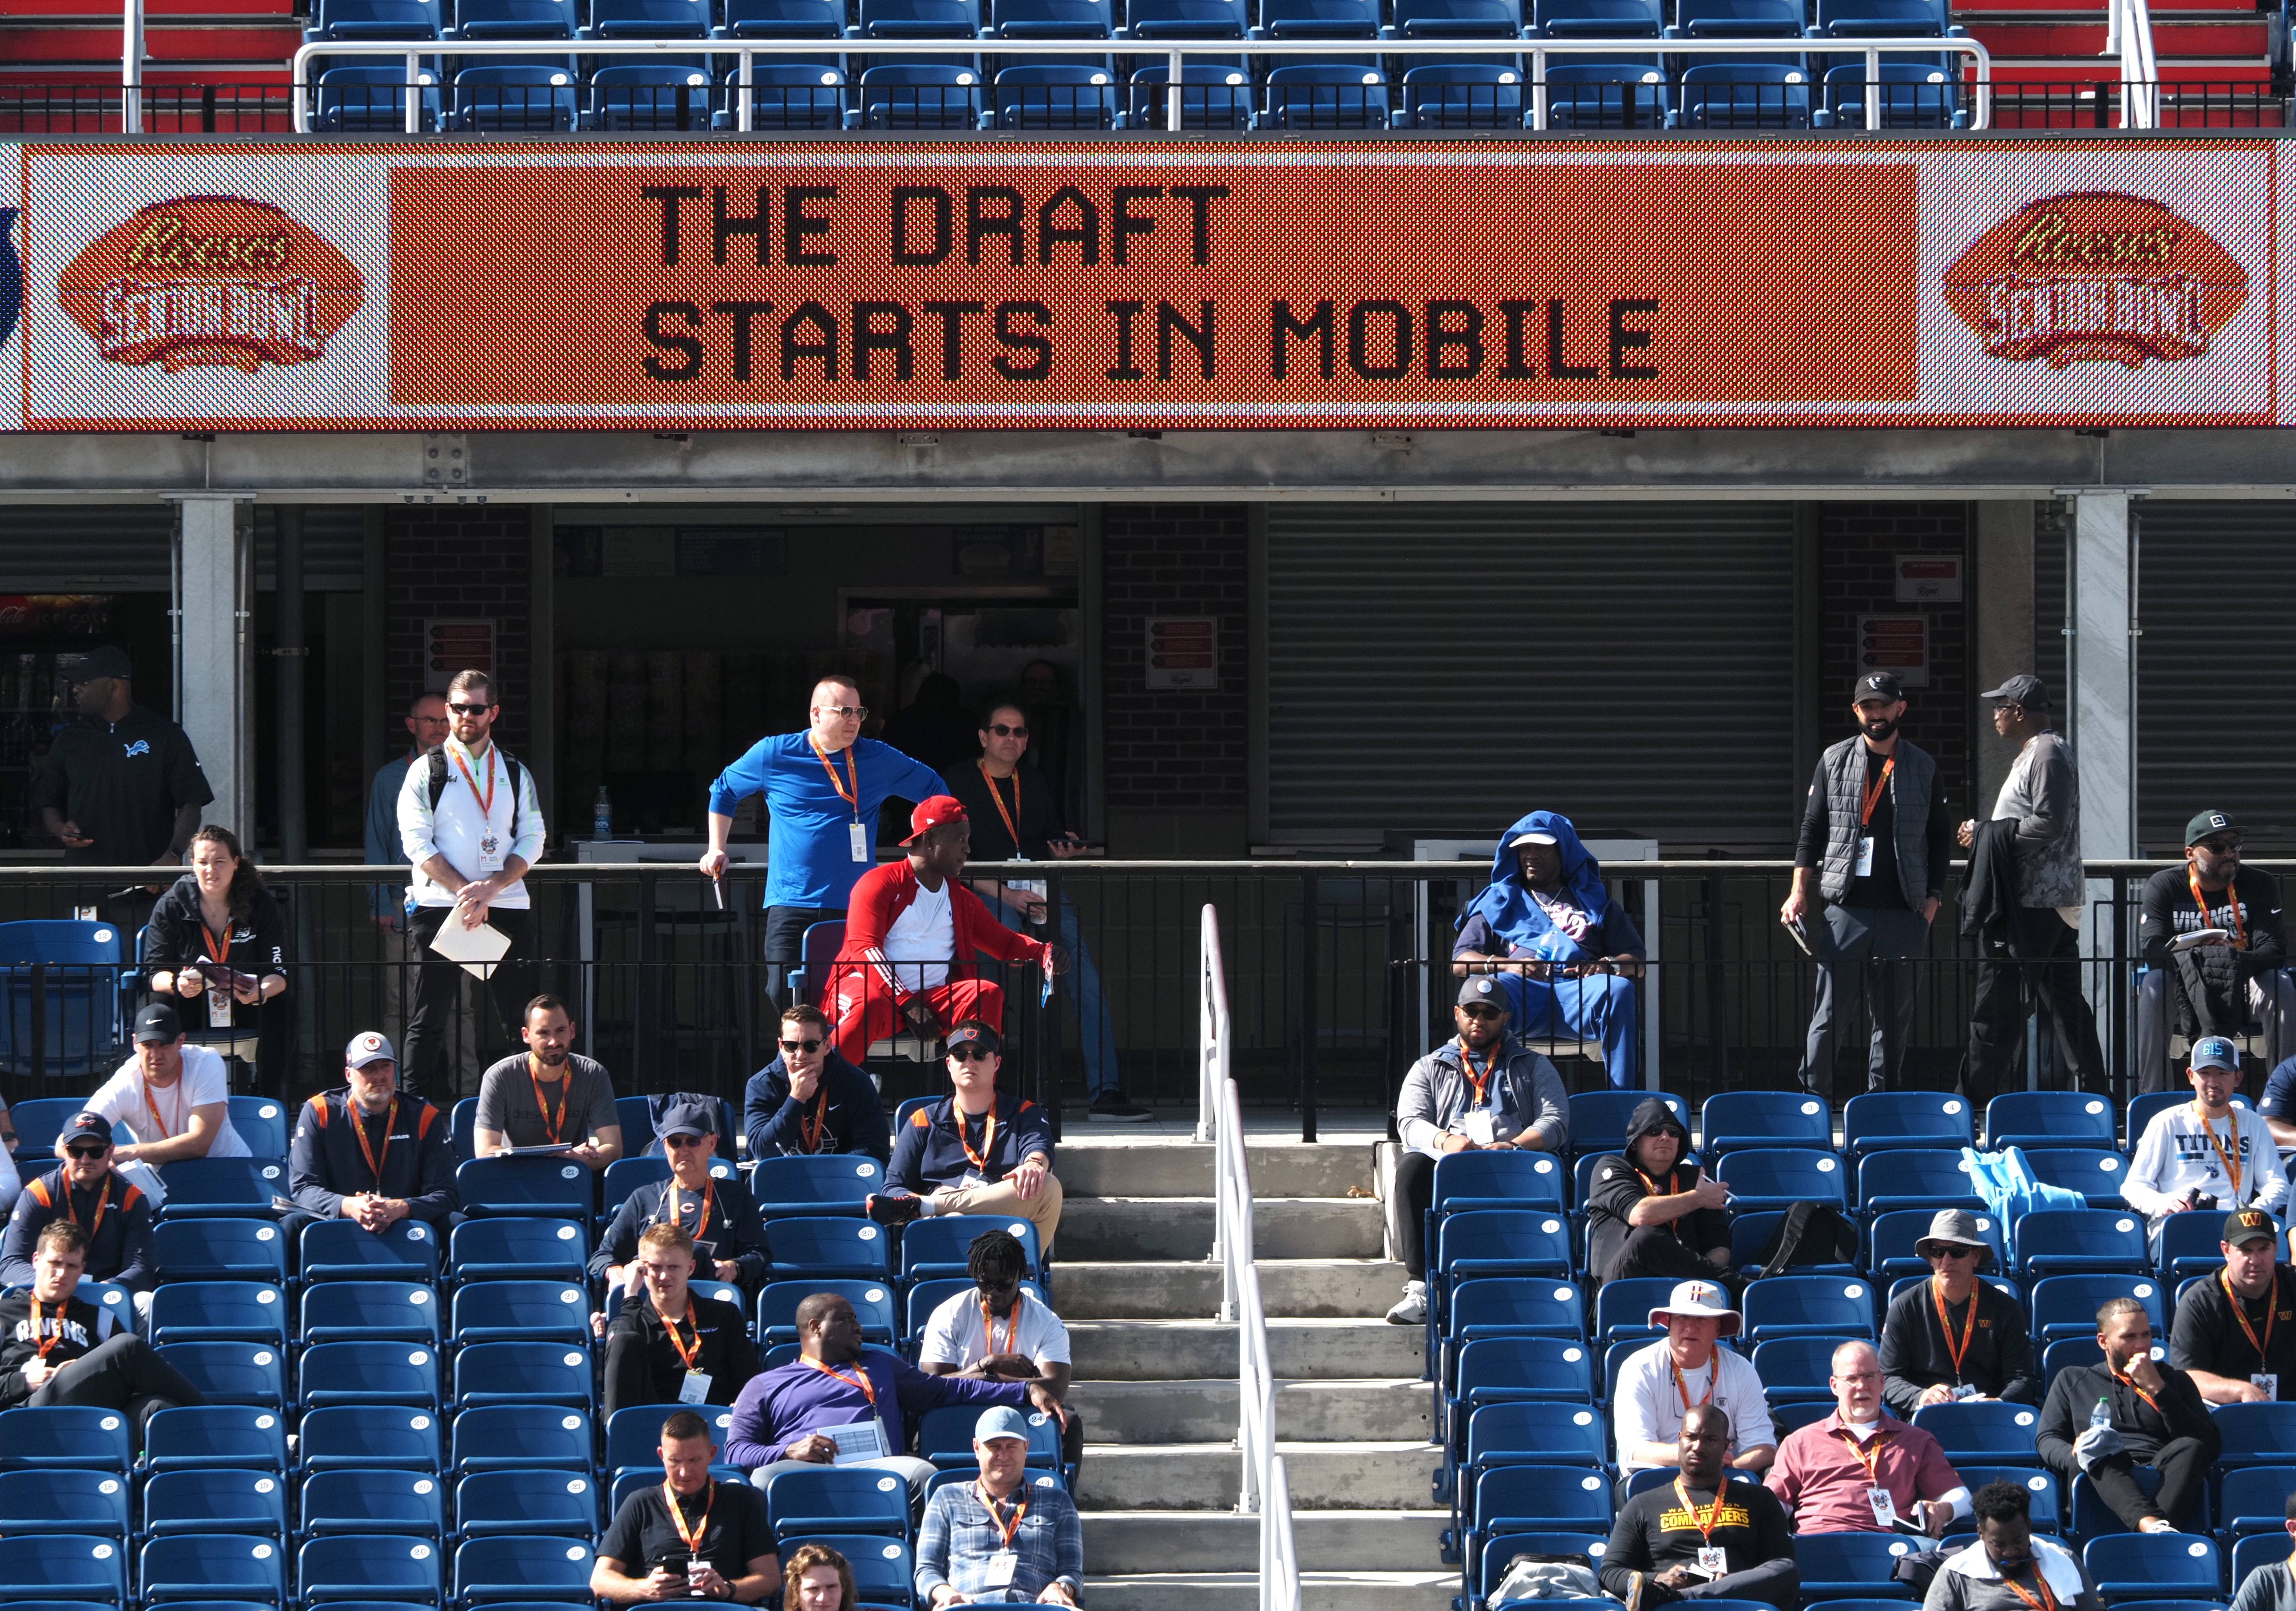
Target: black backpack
[[517, 784]]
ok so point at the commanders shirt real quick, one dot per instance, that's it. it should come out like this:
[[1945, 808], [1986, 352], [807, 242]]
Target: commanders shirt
[[1655, 1533], [2206, 1335]]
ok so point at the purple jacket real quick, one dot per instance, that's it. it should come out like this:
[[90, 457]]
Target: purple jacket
[[780, 1406]]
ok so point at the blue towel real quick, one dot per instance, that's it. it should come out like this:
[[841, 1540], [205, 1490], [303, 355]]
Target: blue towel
[[2007, 1183]]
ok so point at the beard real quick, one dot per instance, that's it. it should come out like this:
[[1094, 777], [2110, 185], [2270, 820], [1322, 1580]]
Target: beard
[[1878, 729]]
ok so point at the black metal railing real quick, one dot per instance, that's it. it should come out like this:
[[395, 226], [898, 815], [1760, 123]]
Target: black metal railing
[[2226, 104]]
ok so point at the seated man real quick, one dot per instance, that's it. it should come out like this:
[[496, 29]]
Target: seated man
[[1567, 954], [175, 1097], [963, 1336], [2159, 1421], [2224, 985], [811, 1100], [865, 1394], [2228, 1335], [1651, 1214], [2271, 1591], [1862, 1469], [1658, 1384], [1001, 1540], [668, 1344], [2208, 1154], [85, 1191], [1479, 1090], [340, 1164], [1701, 1536], [550, 1095], [912, 933], [1984, 1577], [717, 1214], [57, 1348], [974, 1151], [694, 1537], [1954, 1337]]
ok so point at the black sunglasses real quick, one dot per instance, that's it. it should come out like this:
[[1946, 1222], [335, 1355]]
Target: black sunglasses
[[1481, 1010], [800, 1046], [87, 1152], [470, 709], [1002, 731], [970, 1054]]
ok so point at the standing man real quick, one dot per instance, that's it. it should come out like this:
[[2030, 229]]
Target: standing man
[[2235, 1332], [1862, 1469], [994, 1540], [470, 825], [2156, 1418], [2206, 1154], [823, 788], [426, 725], [1016, 817], [85, 1191], [1701, 1536], [2037, 956], [810, 1100], [1875, 829], [1955, 1337], [362, 1153], [2232, 976], [122, 787], [549, 1095]]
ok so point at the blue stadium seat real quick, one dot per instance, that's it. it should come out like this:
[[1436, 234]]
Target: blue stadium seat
[[508, 20], [1622, 1308], [625, 1175], [917, 1304], [872, 1301], [1325, 95], [646, 20], [2154, 1565], [1522, 1497], [2096, 1172], [2041, 1494], [634, 1434], [824, 1244], [884, 1570], [920, 95], [1555, 1435], [2081, 1241], [220, 1250], [1753, 1235], [491, 1570], [518, 1249], [1467, 1181], [1989, 1434], [112, 1297], [347, 19], [1055, 97], [2260, 1550], [262, 1123], [917, 19], [1211, 94], [827, 1499], [1889, 1121], [80, 986], [2073, 1353], [463, 1123], [835, 1184], [2065, 1306], [347, 1312], [337, 1250], [1892, 1236], [1779, 1176], [58, 1500], [1881, 19], [1499, 1243], [1808, 1306], [783, 20], [1913, 94], [2190, 1244], [354, 1373], [64, 1566], [1504, 1308], [205, 1501], [2255, 1435], [1454, 20], [1600, 20], [2048, 1118], [1317, 20], [1629, 92], [525, 1188], [68, 1435], [1737, 20], [509, 1437], [522, 1373], [945, 1437], [39, 1120], [232, 1373], [1925, 1178], [1182, 19], [788, 94], [514, 1503], [1486, 1571], [214, 1437], [1846, 1564], [1462, 95], [634, 1115], [359, 1502], [2142, 1110], [353, 1567], [1048, 20], [2253, 1499], [627, 1482], [366, 1437], [212, 1566], [1794, 1369], [941, 1244], [199, 1188], [1512, 1371], [513, 1312], [1737, 1119]]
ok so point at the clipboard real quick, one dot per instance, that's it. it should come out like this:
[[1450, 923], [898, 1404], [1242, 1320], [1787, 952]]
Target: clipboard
[[477, 949]]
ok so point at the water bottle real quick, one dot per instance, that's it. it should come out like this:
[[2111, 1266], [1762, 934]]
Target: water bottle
[[602, 820], [2101, 1417]]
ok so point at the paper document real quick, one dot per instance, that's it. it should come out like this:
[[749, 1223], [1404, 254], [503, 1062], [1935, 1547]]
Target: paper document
[[545, 1149], [862, 1441], [477, 949], [2194, 939]]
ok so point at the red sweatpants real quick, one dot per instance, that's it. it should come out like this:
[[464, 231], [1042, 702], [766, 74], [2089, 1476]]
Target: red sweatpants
[[865, 1010]]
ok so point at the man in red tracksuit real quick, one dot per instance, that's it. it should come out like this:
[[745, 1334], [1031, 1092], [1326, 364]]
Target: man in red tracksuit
[[912, 931]]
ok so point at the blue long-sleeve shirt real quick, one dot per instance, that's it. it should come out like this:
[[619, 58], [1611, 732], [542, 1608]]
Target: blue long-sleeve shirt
[[852, 1119], [809, 853], [119, 1249], [930, 1151], [383, 846], [781, 1405]]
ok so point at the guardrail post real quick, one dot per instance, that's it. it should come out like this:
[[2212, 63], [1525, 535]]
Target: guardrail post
[[745, 75], [2123, 1061], [1309, 1005], [39, 1026], [1873, 88], [641, 1012], [1044, 1052], [1177, 65], [413, 93], [1718, 1020]]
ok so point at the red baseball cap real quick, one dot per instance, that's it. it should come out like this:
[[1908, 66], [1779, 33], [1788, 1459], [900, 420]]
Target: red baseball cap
[[931, 813]]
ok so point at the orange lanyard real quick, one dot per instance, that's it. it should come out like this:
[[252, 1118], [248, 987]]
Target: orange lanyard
[[218, 951], [486, 800], [2232, 894], [692, 1356], [1713, 1375], [359, 1128], [553, 1124], [989, 1332], [2130, 1383], [989, 1503], [1874, 791], [1944, 1325], [1872, 1462], [2271, 1302], [811, 1129], [693, 1540], [1713, 1512], [1650, 1186], [152, 1107], [859, 1378], [2232, 1169], [987, 1138], [670, 1204], [103, 1203], [1490, 1067], [1020, 851], [849, 791], [2047, 1602], [47, 1344]]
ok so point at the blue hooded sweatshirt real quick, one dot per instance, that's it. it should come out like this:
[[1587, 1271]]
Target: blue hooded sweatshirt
[[1522, 925]]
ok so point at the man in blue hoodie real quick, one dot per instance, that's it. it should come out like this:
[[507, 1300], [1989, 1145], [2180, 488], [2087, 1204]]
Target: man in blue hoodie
[[1567, 954]]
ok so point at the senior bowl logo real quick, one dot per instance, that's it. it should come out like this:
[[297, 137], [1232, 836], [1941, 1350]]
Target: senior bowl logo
[[211, 281], [2096, 276]]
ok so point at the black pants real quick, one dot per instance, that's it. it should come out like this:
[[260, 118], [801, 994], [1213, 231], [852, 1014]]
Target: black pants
[[785, 927], [1653, 1250], [2045, 973], [2183, 1464], [437, 987], [124, 1373], [1414, 1189]]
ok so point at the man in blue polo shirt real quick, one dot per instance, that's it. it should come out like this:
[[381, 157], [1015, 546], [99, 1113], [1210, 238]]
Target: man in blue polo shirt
[[823, 788]]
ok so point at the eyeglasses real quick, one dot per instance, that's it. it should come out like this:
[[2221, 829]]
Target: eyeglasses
[[1002, 731], [970, 1054], [683, 1141], [90, 1151], [801, 1046], [1951, 1252], [1481, 1011], [2219, 847], [843, 712], [471, 710]]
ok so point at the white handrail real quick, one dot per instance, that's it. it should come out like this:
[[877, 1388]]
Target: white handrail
[[2129, 34], [131, 67]]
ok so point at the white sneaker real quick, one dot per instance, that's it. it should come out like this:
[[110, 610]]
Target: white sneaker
[[1413, 1309]]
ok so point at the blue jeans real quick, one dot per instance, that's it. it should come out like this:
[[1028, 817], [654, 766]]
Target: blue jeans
[[1598, 1007], [1095, 1029]]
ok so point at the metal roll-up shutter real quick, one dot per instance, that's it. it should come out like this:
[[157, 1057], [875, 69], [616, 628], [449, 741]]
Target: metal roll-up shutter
[[1446, 669], [334, 547], [2215, 670], [85, 547]]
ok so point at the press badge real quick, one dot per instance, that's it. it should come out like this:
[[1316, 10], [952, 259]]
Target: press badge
[[219, 1000], [1711, 1562], [859, 837], [1885, 1508], [1864, 857], [695, 1388], [2269, 1380], [490, 855], [974, 1180], [1478, 1125], [1002, 1565]]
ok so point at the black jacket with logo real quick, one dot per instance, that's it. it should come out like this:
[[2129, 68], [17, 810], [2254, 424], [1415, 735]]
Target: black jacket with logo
[[122, 782]]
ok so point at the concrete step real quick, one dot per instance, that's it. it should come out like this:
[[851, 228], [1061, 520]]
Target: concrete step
[[1124, 1228], [1131, 1542], [1151, 1290], [1096, 1167], [1299, 1350], [1205, 1412], [1240, 1591], [1325, 1476]]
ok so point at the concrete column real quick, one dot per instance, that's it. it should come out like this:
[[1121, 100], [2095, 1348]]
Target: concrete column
[[2002, 617], [2101, 707], [215, 602]]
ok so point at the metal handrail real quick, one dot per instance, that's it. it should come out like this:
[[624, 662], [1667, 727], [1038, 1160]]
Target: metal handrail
[[2129, 34], [746, 52]]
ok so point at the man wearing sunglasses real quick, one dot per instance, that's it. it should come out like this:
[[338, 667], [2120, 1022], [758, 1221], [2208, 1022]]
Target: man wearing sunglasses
[[977, 1151], [810, 1099], [2215, 946], [84, 1190], [1952, 1336], [713, 1208], [365, 1154]]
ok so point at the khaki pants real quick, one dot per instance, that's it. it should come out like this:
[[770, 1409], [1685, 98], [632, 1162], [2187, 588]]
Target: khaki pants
[[1043, 1211]]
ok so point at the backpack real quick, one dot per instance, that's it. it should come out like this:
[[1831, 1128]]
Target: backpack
[[510, 764], [1818, 1226]]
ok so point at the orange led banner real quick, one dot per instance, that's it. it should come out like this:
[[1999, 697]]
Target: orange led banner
[[1114, 284]]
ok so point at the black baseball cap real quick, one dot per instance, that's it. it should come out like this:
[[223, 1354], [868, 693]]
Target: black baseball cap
[[2249, 1225], [158, 1024], [973, 1034], [86, 1127], [2023, 689], [1877, 685], [2205, 822], [109, 661], [1483, 991]]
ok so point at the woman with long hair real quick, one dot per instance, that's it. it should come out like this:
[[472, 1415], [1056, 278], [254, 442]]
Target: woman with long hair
[[217, 943], [818, 1579]]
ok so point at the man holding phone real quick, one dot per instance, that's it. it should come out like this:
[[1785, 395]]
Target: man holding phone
[[696, 1537]]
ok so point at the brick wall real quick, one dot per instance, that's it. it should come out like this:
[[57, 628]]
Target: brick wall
[[1858, 545], [461, 563], [1175, 759]]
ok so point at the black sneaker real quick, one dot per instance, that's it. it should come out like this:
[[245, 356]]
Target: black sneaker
[[1111, 1106], [893, 1211]]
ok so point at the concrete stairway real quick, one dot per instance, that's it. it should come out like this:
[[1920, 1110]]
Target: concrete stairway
[[1156, 1380]]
